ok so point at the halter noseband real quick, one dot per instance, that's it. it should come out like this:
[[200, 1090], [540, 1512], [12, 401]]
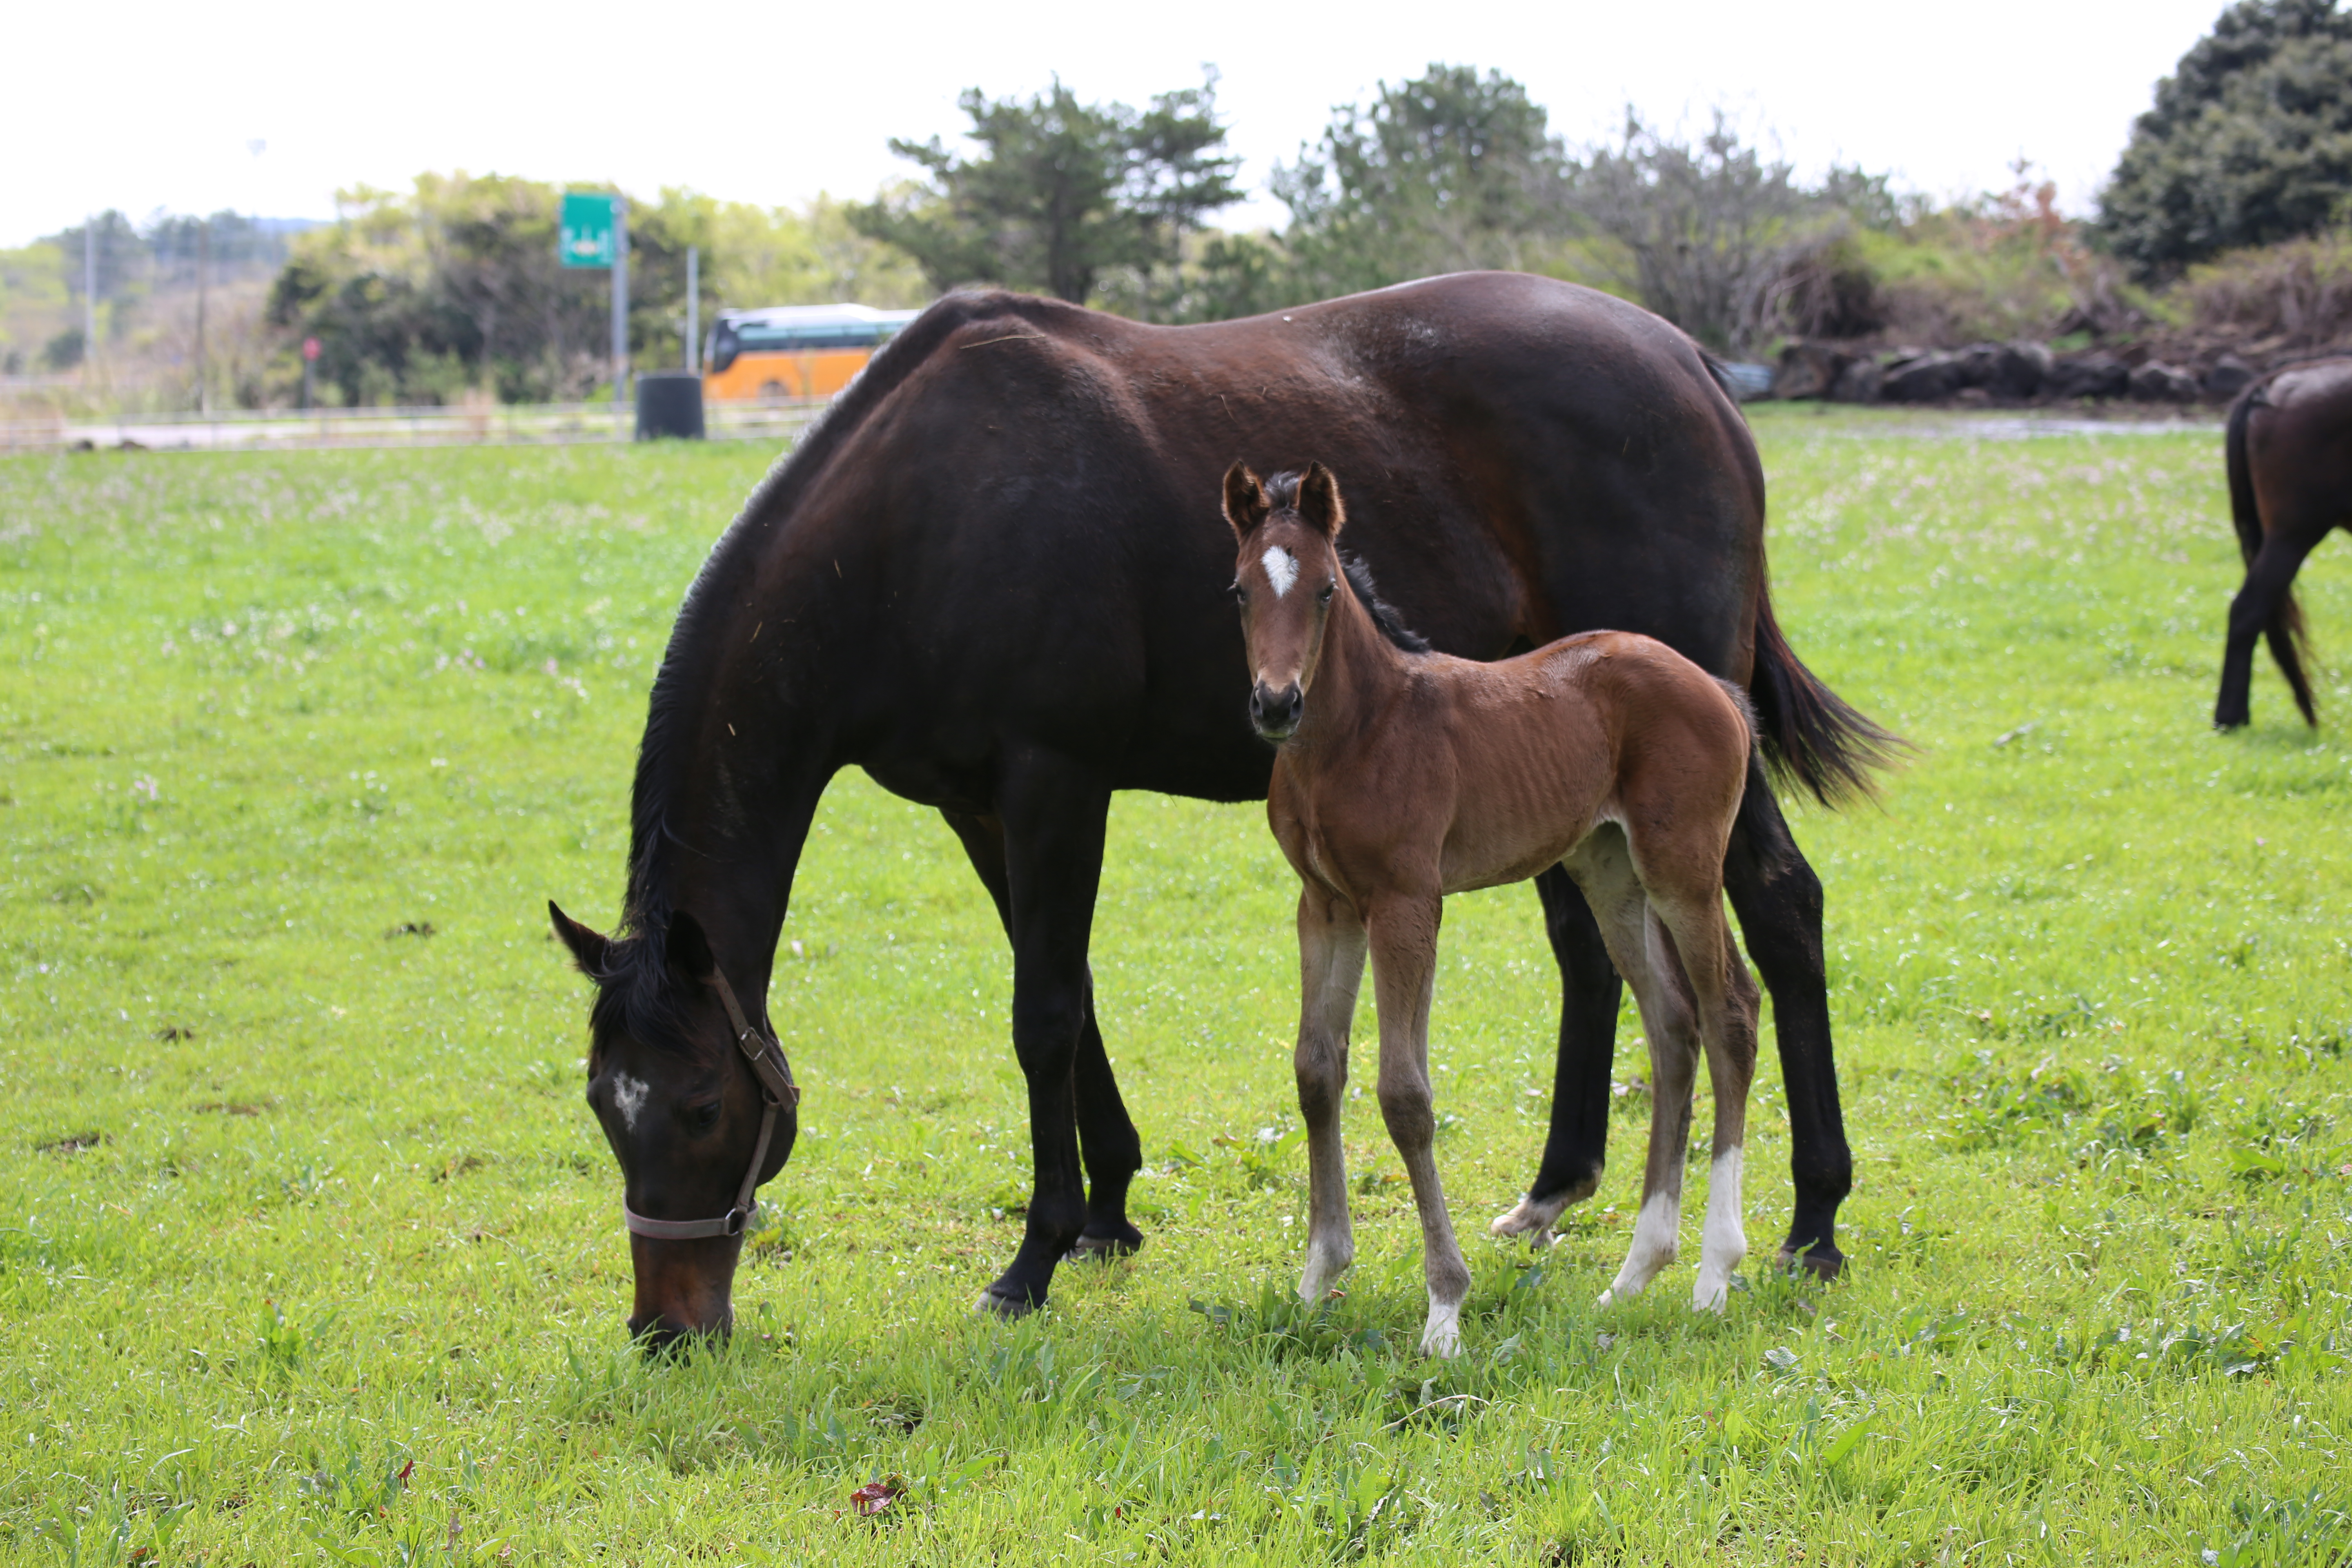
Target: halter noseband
[[777, 1090]]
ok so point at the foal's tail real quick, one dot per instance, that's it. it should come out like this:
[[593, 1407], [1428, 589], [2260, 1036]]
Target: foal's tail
[[1811, 735], [2290, 642]]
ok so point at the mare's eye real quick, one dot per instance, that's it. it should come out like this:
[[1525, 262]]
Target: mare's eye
[[701, 1118]]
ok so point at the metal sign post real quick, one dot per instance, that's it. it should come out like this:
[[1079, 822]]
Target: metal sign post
[[694, 309], [594, 232]]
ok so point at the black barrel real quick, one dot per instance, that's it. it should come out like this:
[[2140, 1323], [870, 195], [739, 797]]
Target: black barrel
[[669, 403]]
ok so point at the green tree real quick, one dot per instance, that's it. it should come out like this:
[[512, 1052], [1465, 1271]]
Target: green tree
[[1449, 171], [1062, 192], [2249, 142]]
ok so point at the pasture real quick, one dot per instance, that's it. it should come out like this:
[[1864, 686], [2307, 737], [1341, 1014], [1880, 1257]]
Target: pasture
[[310, 1251]]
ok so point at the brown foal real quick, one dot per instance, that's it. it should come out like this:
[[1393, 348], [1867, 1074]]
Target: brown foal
[[1402, 776]]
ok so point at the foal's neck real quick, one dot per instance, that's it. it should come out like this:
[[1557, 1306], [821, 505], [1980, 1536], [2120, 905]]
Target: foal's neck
[[1359, 672]]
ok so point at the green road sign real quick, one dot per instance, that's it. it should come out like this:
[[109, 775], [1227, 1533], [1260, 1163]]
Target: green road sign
[[587, 229]]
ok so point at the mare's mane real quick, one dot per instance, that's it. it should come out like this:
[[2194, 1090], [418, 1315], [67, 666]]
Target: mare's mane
[[1282, 494], [635, 992]]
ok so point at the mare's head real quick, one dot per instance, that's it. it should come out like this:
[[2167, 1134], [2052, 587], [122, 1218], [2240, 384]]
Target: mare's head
[[682, 1107], [1285, 578]]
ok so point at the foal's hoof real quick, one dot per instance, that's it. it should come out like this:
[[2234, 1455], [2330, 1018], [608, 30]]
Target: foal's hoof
[[1124, 1242], [1821, 1260], [1005, 1308]]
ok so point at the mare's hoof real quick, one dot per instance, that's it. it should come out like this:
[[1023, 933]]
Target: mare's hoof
[[1125, 1242], [1531, 1218], [1821, 1260], [1004, 1307]]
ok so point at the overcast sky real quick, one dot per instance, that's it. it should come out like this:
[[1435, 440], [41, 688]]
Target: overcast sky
[[138, 105]]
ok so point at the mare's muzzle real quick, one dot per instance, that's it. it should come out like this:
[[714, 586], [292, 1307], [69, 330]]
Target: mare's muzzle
[[1275, 714]]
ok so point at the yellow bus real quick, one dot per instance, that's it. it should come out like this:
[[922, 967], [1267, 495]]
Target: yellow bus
[[793, 351]]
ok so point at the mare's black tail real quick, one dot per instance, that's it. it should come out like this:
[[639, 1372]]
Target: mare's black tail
[[1811, 736], [2290, 642]]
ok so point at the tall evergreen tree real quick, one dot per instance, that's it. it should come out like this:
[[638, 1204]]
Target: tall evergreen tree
[[2249, 142], [1062, 192]]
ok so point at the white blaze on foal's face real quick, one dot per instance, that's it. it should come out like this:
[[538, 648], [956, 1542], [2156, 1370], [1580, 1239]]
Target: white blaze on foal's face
[[628, 1098], [1281, 568]]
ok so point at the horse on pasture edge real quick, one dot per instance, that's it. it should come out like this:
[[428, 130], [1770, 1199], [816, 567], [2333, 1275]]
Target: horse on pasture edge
[[991, 577], [2289, 453], [1402, 774]]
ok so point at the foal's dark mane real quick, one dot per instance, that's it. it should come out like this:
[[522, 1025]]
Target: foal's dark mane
[[634, 990], [1282, 493]]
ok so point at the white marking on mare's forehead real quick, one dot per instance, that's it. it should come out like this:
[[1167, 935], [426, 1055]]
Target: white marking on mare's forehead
[[1281, 568], [628, 1098]]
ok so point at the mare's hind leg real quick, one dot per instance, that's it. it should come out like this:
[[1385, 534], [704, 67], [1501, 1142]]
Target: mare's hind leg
[[1402, 932], [1604, 869], [1112, 1150], [2259, 608], [1589, 992], [1330, 968], [1778, 900]]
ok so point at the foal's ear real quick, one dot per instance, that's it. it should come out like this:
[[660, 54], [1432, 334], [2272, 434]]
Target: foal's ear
[[1245, 502], [689, 948], [1318, 502], [588, 948]]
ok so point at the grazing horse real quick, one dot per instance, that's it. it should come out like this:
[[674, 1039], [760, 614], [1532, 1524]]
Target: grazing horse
[[1401, 776], [991, 577], [2289, 452]]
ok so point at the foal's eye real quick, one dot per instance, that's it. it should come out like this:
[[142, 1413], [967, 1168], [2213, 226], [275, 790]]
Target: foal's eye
[[1240, 593], [1324, 596]]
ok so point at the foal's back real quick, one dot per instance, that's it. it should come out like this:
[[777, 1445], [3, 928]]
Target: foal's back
[[1540, 749]]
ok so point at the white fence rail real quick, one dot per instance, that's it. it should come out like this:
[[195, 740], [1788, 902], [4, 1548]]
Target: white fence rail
[[453, 425]]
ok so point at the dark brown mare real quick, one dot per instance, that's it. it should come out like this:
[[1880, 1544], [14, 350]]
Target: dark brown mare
[[1403, 775], [2289, 451], [993, 578]]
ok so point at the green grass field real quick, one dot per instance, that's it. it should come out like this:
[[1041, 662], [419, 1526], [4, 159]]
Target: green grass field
[[310, 1251]]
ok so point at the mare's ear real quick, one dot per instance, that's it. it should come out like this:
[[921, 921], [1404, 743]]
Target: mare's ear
[[1318, 502], [688, 948], [588, 948], [1245, 502]]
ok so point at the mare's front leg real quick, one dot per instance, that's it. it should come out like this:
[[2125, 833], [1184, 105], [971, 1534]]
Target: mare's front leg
[[1778, 900], [1331, 968], [1052, 812], [1403, 936], [1112, 1150], [1576, 1149]]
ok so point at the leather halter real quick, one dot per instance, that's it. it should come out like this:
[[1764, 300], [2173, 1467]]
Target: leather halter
[[777, 1091]]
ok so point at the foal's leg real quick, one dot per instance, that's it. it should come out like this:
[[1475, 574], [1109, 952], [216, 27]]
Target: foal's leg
[[1112, 1150], [1589, 992], [1642, 952], [1330, 968], [1403, 936], [1723, 998]]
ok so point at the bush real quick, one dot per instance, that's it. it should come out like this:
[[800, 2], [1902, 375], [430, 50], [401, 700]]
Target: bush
[[2299, 293]]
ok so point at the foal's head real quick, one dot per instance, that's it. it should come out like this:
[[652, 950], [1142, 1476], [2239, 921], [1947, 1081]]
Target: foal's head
[[1285, 577]]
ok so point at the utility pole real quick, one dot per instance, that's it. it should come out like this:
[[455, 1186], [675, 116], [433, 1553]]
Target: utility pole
[[89, 294], [203, 285], [620, 308], [693, 309]]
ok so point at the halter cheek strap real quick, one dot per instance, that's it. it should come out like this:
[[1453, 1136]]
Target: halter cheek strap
[[777, 1091]]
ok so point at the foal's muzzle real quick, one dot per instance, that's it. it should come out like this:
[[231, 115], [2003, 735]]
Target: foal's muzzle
[[1275, 714]]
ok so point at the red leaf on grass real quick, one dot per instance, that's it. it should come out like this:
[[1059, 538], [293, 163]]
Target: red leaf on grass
[[876, 1495]]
